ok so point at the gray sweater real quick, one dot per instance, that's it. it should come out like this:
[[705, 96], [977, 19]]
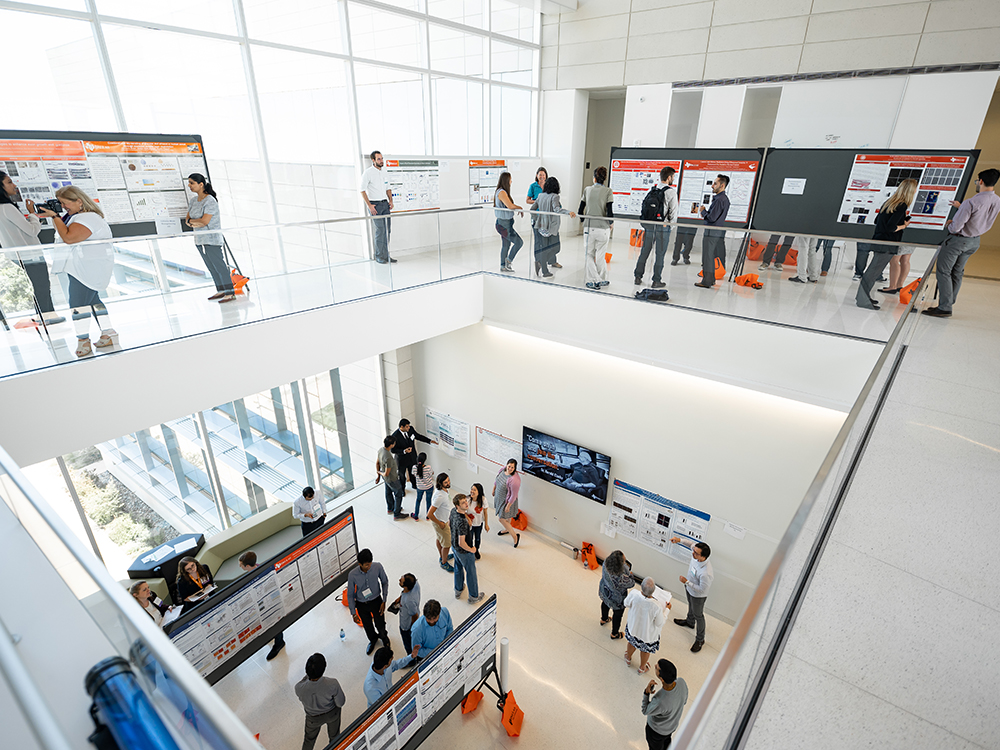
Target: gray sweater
[[663, 711], [547, 226]]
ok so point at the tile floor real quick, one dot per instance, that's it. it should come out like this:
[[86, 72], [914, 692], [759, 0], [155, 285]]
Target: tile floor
[[568, 676], [895, 643]]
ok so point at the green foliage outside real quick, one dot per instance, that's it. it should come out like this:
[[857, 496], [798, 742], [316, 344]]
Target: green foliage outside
[[16, 295]]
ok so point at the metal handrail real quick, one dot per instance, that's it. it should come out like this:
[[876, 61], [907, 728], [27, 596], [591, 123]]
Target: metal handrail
[[204, 699], [693, 725]]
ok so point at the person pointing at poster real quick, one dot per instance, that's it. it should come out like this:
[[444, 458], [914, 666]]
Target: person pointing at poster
[[696, 585], [713, 244], [378, 198]]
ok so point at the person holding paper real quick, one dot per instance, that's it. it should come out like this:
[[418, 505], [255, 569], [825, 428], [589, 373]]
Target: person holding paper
[[430, 630], [378, 681], [309, 511], [407, 605], [194, 582], [367, 590], [645, 621], [203, 213], [322, 698], [378, 199], [154, 606], [616, 582], [663, 708], [696, 585], [713, 243], [248, 562]]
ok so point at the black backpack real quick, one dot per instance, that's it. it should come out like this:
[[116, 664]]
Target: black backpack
[[653, 295], [654, 205]]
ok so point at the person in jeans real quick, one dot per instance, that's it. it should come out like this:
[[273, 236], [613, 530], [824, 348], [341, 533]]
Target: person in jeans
[[387, 470], [423, 473], [409, 607], [598, 200], [322, 698], [974, 218], [465, 552], [378, 199], [546, 227], [657, 234], [203, 214], [504, 207], [663, 708], [479, 515], [696, 585], [616, 582], [713, 243]]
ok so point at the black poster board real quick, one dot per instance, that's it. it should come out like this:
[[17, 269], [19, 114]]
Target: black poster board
[[634, 170], [233, 623], [136, 178], [786, 205]]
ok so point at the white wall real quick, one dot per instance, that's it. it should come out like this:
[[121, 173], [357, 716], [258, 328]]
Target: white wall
[[927, 98], [740, 455], [721, 110], [564, 139], [604, 132], [647, 110]]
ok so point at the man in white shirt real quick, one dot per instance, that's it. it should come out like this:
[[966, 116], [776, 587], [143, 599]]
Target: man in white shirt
[[309, 510], [440, 514], [378, 199], [696, 584]]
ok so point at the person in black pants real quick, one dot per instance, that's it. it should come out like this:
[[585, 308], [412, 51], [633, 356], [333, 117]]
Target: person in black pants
[[367, 588], [889, 225], [683, 243], [713, 243], [309, 511], [772, 245], [248, 561], [404, 449]]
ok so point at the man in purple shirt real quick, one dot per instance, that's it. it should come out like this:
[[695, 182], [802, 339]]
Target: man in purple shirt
[[973, 219]]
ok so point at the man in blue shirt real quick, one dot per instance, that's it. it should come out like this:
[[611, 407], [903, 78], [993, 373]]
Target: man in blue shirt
[[367, 587], [379, 678], [713, 243], [429, 631]]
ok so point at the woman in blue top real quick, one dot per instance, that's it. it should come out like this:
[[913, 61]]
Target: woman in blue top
[[509, 238], [203, 212], [538, 186]]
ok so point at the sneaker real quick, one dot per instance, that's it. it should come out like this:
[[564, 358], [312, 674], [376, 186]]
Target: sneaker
[[399, 516], [674, 262], [414, 516], [555, 265], [603, 283], [506, 269], [638, 280], [857, 277], [797, 280], [458, 594], [448, 566], [482, 595], [657, 285], [687, 261], [593, 285], [763, 266], [779, 267]]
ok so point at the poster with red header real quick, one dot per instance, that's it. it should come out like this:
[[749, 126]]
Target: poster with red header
[[631, 179], [875, 177], [695, 191]]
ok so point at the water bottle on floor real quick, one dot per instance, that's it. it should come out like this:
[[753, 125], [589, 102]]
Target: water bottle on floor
[[343, 635]]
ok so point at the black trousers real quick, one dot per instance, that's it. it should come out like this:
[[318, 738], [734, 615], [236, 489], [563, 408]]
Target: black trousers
[[372, 620], [38, 275], [657, 741], [616, 617], [308, 527], [407, 640], [684, 242]]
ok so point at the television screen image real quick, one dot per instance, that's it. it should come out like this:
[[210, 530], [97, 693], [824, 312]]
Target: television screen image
[[578, 469]]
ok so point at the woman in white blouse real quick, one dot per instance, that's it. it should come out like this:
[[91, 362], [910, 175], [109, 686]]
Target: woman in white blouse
[[89, 266], [20, 231], [646, 617], [154, 606]]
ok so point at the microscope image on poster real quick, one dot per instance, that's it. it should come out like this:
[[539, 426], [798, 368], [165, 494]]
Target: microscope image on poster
[[566, 464]]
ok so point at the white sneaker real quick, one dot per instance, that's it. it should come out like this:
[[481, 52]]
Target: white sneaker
[[778, 267], [482, 595], [763, 266]]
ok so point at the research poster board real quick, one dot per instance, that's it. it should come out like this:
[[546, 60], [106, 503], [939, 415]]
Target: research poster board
[[653, 520], [415, 706], [231, 625], [415, 184], [816, 191], [496, 448], [451, 433], [139, 181], [483, 177], [875, 177], [635, 170]]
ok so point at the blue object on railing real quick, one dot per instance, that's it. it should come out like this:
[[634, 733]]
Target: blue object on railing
[[125, 709]]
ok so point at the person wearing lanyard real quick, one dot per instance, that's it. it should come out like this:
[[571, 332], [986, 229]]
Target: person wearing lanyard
[[378, 681], [309, 510], [367, 587], [192, 579], [378, 198]]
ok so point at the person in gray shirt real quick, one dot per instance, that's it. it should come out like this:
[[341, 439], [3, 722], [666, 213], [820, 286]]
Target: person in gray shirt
[[388, 470], [409, 607], [367, 587], [322, 698], [663, 708], [202, 215]]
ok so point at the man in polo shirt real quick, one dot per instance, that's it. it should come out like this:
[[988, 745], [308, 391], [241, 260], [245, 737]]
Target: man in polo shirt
[[367, 586], [322, 698], [378, 199], [429, 631]]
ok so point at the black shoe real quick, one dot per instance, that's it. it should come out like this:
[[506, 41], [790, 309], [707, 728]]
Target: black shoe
[[936, 312], [638, 280], [392, 260], [705, 286], [399, 516], [547, 275], [275, 650], [674, 262], [696, 646], [797, 280], [502, 533], [385, 641], [371, 647], [657, 285], [886, 290], [478, 556], [682, 623], [538, 267], [687, 261], [518, 540], [382, 262]]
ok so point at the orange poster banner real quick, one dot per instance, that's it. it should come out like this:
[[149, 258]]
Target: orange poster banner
[[24, 149], [487, 162], [141, 147]]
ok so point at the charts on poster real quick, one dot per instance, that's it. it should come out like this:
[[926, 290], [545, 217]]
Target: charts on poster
[[278, 588], [452, 434], [695, 192], [415, 184], [483, 177], [875, 177], [496, 448], [631, 179], [652, 520], [132, 181]]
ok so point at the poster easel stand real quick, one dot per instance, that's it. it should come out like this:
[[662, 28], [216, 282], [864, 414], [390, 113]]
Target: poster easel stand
[[741, 255]]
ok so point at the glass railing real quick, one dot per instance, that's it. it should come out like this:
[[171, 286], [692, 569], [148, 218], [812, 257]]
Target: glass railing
[[198, 718], [161, 288], [722, 716]]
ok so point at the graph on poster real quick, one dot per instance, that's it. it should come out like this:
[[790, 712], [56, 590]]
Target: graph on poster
[[696, 187], [496, 448], [452, 434], [653, 520], [631, 179], [415, 184]]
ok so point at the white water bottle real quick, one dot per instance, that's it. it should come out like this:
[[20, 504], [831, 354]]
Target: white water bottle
[[343, 635]]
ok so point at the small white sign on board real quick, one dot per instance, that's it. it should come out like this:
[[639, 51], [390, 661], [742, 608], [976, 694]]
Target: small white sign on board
[[793, 186]]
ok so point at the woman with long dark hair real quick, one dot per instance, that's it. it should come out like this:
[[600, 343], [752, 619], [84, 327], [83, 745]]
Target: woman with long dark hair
[[616, 582], [541, 175], [478, 514], [192, 579], [203, 214], [424, 474], [18, 230], [506, 487], [546, 227], [504, 209]]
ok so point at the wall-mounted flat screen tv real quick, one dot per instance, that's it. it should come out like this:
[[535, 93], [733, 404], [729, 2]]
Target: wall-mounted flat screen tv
[[578, 469]]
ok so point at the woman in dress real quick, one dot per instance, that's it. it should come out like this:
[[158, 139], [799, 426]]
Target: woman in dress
[[16, 230], [192, 578], [478, 514], [505, 489], [203, 213], [154, 606], [889, 226], [616, 582], [645, 621], [89, 266], [504, 207], [425, 484]]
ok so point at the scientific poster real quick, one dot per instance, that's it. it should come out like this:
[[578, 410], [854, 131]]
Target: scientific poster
[[875, 177], [452, 434], [415, 184], [696, 187], [483, 177], [652, 520], [496, 448], [631, 179]]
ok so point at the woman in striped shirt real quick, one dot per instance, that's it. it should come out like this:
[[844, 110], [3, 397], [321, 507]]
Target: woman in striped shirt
[[425, 484]]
